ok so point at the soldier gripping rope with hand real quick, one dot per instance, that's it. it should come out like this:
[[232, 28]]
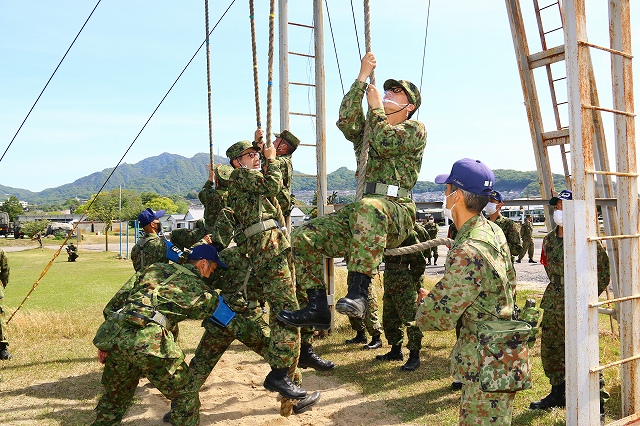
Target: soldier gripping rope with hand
[[383, 217]]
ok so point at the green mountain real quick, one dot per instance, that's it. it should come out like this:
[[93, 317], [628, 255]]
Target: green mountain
[[172, 174]]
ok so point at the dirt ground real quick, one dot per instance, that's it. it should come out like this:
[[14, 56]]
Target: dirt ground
[[233, 395]]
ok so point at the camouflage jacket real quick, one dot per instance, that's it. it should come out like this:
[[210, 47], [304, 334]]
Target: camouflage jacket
[[477, 285], [176, 291], [432, 229], [416, 260], [148, 250], [4, 272], [250, 196], [553, 252], [526, 231], [395, 152], [284, 196], [213, 199], [512, 234]]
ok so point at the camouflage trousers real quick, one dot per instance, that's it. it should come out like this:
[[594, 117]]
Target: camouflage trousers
[[277, 283], [552, 345], [527, 247], [399, 305], [360, 232], [485, 408], [370, 322], [122, 372], [248, 327]]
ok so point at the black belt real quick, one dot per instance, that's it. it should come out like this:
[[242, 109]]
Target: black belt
[[396, 266]]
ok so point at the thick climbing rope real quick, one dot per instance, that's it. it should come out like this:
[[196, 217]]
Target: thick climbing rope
[[254, 50], [419, 247], [206, 33], [57, 253], [48, 81], [272, 15], [364, 148]]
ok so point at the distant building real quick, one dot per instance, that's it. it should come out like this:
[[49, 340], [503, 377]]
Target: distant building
[[182, 221]]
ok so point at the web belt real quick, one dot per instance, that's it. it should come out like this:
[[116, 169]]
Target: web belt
[[395, 191]]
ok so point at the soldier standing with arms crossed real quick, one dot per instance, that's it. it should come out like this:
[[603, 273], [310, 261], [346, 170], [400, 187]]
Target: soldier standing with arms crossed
[[526, 233], [477, 286], [384, 217]]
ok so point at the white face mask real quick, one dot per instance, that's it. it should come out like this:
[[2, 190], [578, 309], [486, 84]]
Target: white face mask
[[448, 212], [557, 217], [491, 208]]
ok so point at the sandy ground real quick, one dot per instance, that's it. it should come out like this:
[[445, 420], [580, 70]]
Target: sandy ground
[[233, 395]]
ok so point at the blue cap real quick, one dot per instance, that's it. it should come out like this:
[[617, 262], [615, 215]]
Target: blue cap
[[471, 175], [495, 195], [147, 216], [563, 195], [206, 251]]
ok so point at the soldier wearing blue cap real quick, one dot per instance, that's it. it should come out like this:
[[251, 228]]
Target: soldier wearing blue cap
[[384, 217], [134, 341], [477, 286], [150, 248], [552, 341], [508, 226]]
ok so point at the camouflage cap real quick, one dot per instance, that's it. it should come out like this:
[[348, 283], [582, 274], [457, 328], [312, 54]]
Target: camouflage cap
[[222, 171], [289, 137], [413, 94], [237, 148]]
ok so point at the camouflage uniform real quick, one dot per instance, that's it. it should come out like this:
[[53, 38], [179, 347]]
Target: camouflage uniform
[[432, 230], [453, 231], [242, 293], [477, 285], [139, 347], [363, 229], [149, 249], [284, 196], [250, 195], [526, 233], [511, 233], [402, 280], [370, 322], [213, 200], [4, 277], [552, 351]]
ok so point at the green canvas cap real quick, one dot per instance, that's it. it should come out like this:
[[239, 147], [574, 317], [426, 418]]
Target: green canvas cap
[[289, 137], [237, 148], [413, 94]]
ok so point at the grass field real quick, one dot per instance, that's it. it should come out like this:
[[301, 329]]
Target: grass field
[[54, 378]]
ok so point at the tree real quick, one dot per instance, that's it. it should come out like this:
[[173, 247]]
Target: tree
[[13, 207], [162, 203], [33, 227]]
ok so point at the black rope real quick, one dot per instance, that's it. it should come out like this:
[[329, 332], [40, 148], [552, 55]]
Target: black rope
[[424, 50], [48, 81], [355, 27], [334, 45]]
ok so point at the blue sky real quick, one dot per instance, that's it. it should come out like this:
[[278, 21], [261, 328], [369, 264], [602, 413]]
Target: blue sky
[[131, 52]]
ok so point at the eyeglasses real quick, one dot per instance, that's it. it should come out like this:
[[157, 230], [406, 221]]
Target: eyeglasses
[[395, 90], [252, 154]]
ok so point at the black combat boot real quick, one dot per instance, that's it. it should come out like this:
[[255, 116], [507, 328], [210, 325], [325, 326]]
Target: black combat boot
[[375, 343], [413, 362], [4, 353], [278, 381], [309, 359], [315, 314], [456, 385], [428, 261], [167, 417], [435, 261], [395, 354], [361, 337], [354, 304], [306, 403], [555, 399]]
